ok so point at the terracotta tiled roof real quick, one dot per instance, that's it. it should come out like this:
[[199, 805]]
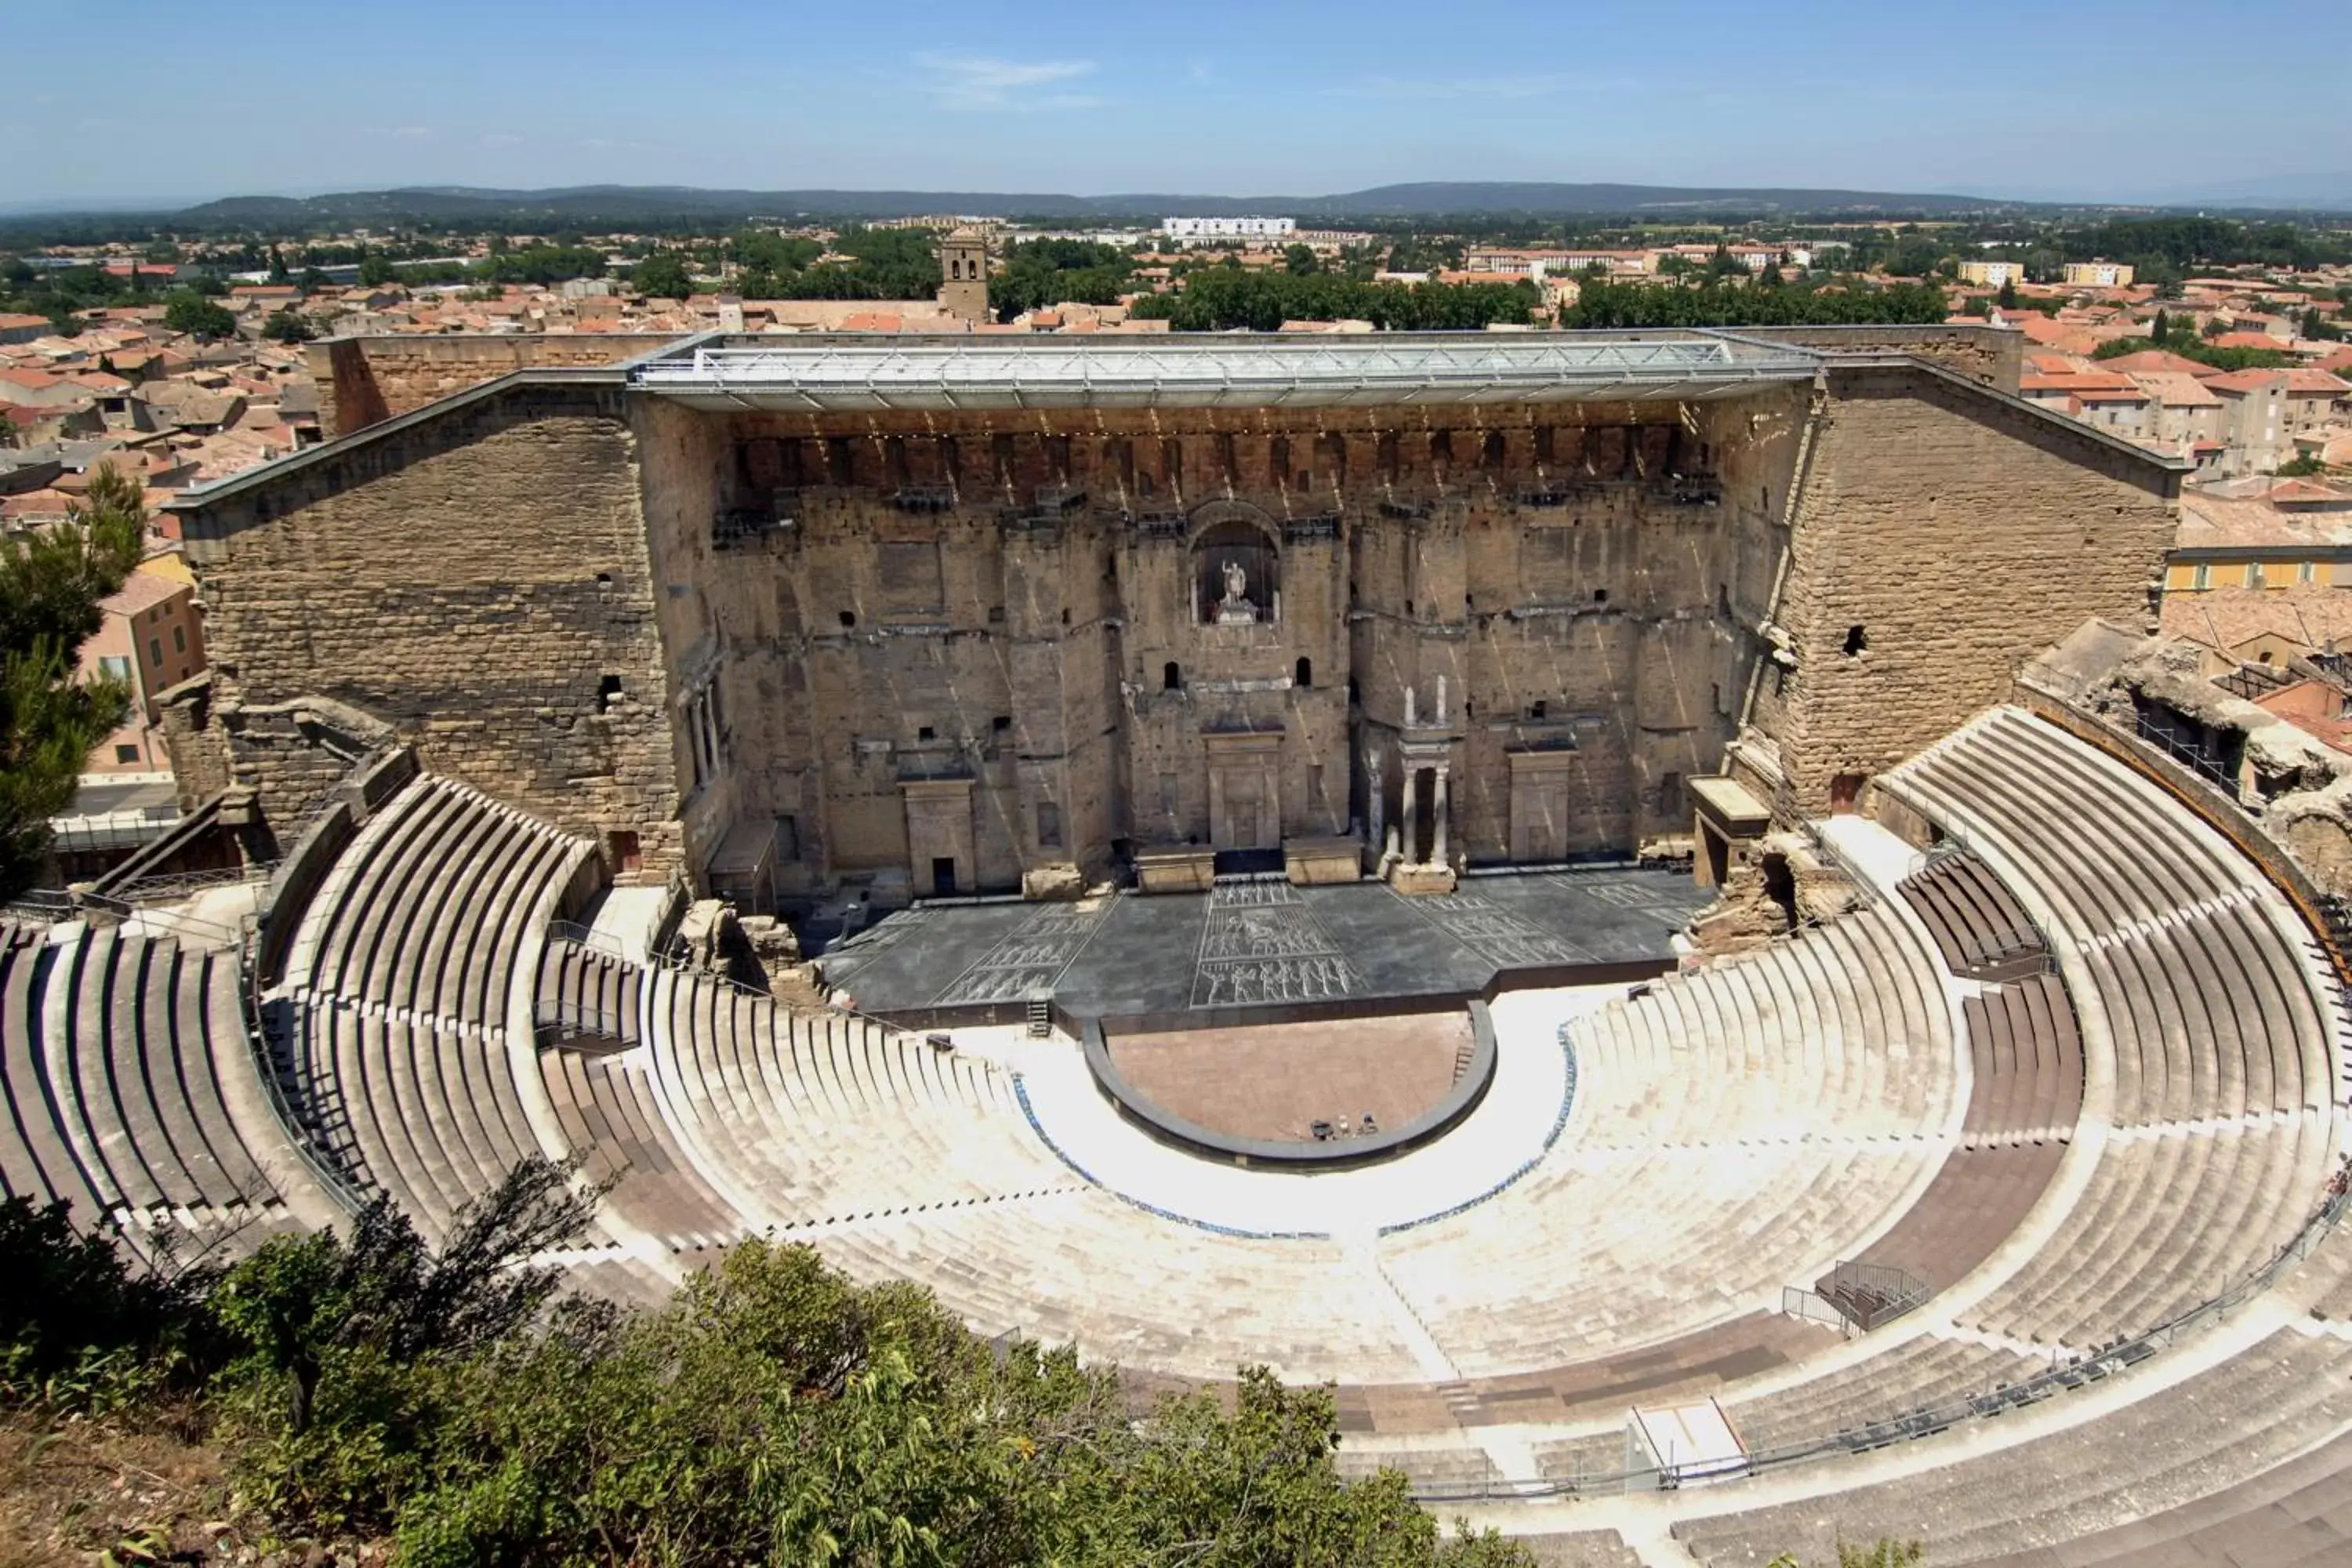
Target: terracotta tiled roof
[[2158, 359], [2227, 618]]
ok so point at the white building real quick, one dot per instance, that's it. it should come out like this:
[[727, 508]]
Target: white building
[[1181, 229]]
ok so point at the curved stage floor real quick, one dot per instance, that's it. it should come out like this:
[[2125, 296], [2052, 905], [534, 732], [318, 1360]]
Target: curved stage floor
[[1251, 943]]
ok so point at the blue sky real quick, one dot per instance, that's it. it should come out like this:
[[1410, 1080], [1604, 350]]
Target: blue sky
[[140, 99]]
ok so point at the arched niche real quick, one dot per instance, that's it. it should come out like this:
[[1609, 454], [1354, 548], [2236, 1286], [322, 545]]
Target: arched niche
[[1236, 564]]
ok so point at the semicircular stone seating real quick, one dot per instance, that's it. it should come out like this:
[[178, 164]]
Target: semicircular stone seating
[[2081, 1075], [134, 1094], [397, 996]]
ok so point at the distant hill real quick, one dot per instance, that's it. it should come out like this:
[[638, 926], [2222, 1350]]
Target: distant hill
[[649, 202], [583, 206]]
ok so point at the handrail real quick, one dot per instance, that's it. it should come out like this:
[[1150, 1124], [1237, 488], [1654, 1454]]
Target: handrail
[[323, 1170], [2118, 1355], [1921, 1421]]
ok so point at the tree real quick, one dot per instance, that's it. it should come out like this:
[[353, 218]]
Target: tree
[[377, 270], [189, 312], [1300, 261], [662, 276], [2007, 298], [2160, 329], [50, 584], [287, 325], [1884, 1552]]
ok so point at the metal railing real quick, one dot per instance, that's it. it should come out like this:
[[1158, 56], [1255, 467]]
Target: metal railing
[[1926, 1420], [2195, 759], [323, 1168], [166, 888]]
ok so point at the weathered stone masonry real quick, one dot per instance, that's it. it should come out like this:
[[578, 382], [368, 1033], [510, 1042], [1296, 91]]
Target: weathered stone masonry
[[985, 647]]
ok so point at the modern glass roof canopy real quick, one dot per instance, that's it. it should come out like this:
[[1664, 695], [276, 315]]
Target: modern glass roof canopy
[[846, 373]]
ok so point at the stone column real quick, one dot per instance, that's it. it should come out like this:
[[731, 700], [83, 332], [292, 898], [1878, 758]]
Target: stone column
[[1437, 820], [1375, 808], [1409, 813]]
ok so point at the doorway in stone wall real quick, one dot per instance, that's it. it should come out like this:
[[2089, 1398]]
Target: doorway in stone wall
[[1846, 791], [943, 876]]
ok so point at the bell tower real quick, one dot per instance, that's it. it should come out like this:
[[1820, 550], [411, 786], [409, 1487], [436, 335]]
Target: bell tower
[[963, 275]]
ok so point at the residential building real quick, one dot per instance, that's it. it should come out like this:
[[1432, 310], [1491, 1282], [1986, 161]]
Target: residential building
[[1992, 274], [1184, 229], [151, 638], [2098, 274], [2253, 419]]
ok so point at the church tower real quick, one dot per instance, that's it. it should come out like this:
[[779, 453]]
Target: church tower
[[963, 275]]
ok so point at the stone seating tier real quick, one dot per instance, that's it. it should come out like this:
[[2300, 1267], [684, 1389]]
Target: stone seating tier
[[2176, 1444], [1979, 927], [585, 990], [2195, 973], [133, 1093]]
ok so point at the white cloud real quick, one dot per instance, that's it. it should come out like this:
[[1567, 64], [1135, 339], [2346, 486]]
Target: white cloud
[[983, 81], [501, 139]]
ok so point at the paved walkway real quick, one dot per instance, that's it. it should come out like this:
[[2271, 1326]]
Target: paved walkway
[[1511, 1126]]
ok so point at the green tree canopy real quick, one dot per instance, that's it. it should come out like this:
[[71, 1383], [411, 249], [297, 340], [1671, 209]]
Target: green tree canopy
[[361, 1382], [289, 325], [51, 581], [185, 310], [662, 276]]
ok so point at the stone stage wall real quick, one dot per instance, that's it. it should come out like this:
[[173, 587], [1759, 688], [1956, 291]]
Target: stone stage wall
[[985, 650]]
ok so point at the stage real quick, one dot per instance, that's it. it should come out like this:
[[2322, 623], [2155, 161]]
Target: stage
[[1260, 943]]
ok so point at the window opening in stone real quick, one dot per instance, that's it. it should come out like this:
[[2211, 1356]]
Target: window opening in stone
[[1536, 708], [607, 687], [1001, 723], [1170, 677], [1600, 595], [925, 732], [848, 617], [1305, 674], [626, 854], [1856, 639]]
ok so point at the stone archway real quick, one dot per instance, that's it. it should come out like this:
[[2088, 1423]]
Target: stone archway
[[1235, 564]]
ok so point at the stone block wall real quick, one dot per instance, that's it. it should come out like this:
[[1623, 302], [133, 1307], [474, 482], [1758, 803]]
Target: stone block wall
[[1940, 539], [552, 589], [1994, 356], [363, 380], [479, 583], [1021, 603]]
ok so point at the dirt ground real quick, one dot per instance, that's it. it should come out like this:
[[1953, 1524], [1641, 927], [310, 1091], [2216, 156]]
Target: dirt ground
[[1277, 1081]]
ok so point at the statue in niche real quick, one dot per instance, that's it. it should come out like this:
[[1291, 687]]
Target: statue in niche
[[1235, 609]]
